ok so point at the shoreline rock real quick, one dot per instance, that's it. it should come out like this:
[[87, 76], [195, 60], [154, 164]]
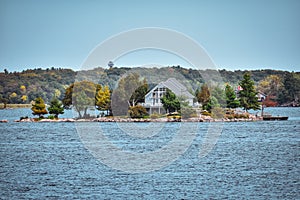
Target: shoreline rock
[[126, 120]]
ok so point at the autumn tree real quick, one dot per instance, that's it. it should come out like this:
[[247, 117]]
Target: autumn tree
[[271, 86], [13, 97], [203, 96], [170, 102], [231, 100], [56, 107], [137, 111], [248, 94], [23, 89], [102, 98], [39, 107]]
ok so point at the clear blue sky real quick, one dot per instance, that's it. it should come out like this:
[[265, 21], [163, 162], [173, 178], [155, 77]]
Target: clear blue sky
[[237, 34]]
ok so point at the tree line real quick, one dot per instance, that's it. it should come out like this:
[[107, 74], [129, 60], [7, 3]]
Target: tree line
[[282, 88]]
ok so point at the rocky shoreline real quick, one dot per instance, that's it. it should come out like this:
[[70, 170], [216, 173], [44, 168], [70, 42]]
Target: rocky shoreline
[[119, 119]]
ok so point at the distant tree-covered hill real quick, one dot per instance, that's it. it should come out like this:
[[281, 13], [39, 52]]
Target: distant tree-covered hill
[[23, 87]]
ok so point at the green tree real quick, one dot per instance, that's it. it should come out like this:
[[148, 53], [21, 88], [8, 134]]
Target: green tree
[[56, 107], [138, 95], [4, 101], [170, 102], [212, 103], [137, 111], [80, 95], [290, 92], [231, 100], [248, 95], [131, 90], [67, 100], [219, 94], [39, 107]]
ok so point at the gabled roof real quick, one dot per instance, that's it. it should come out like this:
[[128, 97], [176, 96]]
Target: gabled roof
[[174, 86]]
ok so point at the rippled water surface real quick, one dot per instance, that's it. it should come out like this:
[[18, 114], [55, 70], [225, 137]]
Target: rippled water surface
[[253, 160]]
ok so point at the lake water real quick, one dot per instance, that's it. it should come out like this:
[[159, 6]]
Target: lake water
[[251, 160]]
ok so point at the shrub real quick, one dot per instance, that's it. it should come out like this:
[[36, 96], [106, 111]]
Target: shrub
[[206, 113], [51, 117], [187, 112], [137, 111], [217, 113], [155, 115]]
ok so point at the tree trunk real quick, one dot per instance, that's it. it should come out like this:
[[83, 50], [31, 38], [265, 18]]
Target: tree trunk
[[79, 113], [84, 115]]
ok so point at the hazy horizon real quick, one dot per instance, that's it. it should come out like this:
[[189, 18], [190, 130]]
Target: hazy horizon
[[145, 66]]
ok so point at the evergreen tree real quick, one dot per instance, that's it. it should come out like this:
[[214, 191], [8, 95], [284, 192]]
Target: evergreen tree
[[56, 107], [170, 101], [248, 95], [39, 107], [231, 100]]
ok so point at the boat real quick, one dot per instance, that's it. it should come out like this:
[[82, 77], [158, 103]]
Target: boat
[[268, 117]]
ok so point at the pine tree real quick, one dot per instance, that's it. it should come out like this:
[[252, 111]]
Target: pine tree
[[248, 95], [39, 107], [231, 100], [56, 107]]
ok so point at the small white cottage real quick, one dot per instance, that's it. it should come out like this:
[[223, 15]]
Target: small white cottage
[[153, 98]]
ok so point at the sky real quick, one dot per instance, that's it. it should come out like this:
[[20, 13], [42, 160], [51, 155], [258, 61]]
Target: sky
[[236, 34]]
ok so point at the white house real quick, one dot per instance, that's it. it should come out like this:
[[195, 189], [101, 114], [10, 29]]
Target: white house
[[261, 96], [153, 98]]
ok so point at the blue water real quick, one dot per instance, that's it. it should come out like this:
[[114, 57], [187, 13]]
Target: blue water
[[251, 160]]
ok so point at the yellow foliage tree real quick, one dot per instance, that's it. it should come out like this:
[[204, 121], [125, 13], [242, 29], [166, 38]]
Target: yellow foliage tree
[[23, 89], [39, 107], [24, 98], [102, 98]]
